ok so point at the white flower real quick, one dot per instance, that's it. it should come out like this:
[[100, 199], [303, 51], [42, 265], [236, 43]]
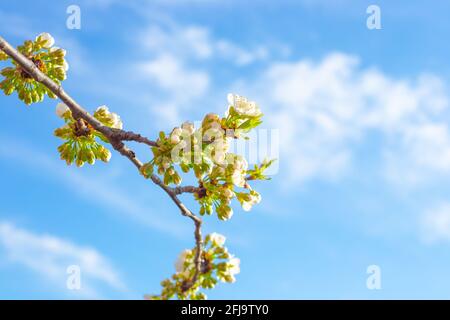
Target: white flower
[[61, 109], [166, 164], [65, 65], [117, 122], [243, 106], [188, 127], [238, 178], [174, 139], [49, 41], [228, 213], [240, 166], [182, 144], [175, 135], [240, 163], [179, 264], [233, 268], [219, 156], [254, 198], [108, 157], [103, 108], [247, 206], [114, 117], [177, 131], [228, 193], [53, 49], [214, 132], [220, 147], [217, 239]]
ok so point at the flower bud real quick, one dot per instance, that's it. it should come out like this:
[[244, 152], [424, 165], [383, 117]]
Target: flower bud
[[227, 193], [104, 154], [65, 65], [47, 39], [61, 109], [176, 179], [217, 239], [165, 163], [188, 127]]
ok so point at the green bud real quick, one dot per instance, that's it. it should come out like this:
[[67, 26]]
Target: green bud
[[104, 154], [176, 178], [167, 178], [28, 99], [3, 56], [35, 96], [9, 91], [7, 72], [60, 53], [224, 212], [90, 157], [146, 170], [79, 163], [21, 94], [50, 94]]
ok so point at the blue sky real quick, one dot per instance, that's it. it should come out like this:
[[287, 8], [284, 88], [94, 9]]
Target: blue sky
[[364, 148]]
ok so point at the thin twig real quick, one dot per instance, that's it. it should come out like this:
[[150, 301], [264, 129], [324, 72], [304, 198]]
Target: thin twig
[[115, 137]]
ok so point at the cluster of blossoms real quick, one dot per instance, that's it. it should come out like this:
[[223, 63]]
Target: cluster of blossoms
[[217, 264], [80, 137], [46, 57], [221, 175]]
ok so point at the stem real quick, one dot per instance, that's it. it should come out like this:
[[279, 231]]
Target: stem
[[114, 136]]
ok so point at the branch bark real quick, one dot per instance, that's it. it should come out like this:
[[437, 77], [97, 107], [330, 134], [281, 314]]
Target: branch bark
[[115, 137]]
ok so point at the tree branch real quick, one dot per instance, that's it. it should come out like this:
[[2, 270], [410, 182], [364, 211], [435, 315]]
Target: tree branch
[[131, 136], [185, 189], [115, 137]]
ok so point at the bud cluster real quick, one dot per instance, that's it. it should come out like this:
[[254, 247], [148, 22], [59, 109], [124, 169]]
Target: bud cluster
[[221, 175], [46, 57], [217, 264], [80, 137]]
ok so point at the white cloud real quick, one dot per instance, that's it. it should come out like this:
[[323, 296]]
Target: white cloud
[[50, 256], [325, 109], [197, 42], [188, 41], [435, 224], [239, 55], [172, 75], [179, 64]]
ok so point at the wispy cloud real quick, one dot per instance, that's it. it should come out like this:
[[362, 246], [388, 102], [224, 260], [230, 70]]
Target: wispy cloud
[[172, 75], [50, 256], [178, 59], [325, 109], [193, 41]]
